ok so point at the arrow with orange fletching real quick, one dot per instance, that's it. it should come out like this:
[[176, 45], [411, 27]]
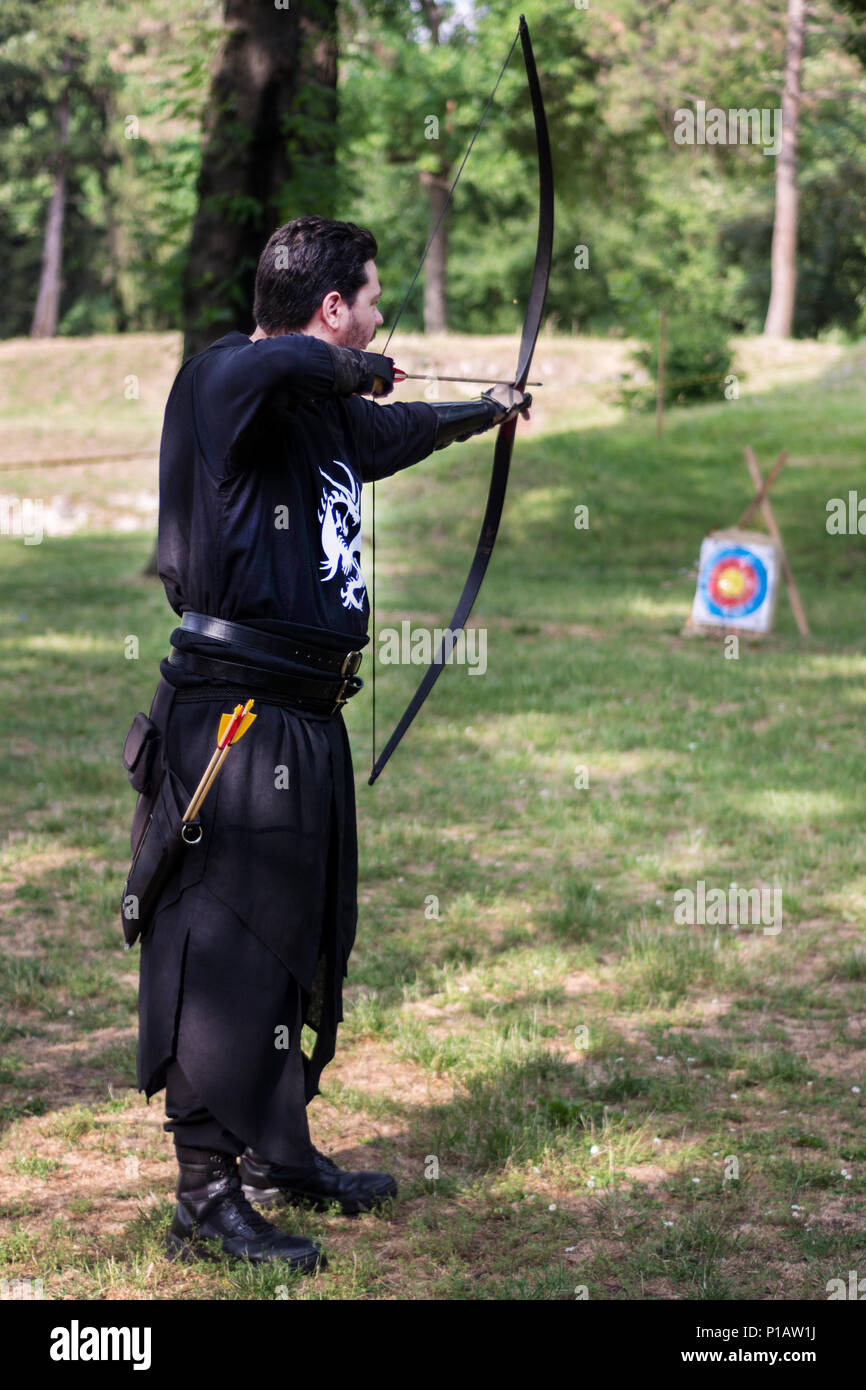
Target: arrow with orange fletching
[[232, 728]]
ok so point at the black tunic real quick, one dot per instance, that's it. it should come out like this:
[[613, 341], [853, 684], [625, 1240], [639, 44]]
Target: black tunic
[[260, 482]]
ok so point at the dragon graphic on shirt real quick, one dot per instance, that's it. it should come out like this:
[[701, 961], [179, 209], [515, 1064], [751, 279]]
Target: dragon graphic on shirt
[[340, 515]]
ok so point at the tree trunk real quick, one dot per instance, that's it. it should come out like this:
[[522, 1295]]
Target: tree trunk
[[271, 115], [435, 312], [48, 299], [116, 279], [437, 186], [780, 313]]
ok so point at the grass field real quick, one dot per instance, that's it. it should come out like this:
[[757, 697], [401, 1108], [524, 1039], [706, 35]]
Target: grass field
[[617, 1106]]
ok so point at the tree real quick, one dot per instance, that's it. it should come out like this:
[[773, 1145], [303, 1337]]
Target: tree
[[433, 68], [44, 323], [268, 141], [780, 313], [436, 183], [56, 81]]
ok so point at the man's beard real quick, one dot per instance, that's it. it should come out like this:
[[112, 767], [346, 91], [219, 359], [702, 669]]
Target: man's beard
[[356, 335]]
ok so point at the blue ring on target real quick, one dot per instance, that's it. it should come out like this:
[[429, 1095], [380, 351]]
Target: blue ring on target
[[751, 604]]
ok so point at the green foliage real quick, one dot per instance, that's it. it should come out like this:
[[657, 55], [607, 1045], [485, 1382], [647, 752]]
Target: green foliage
[[831, 258], [426, 111], [660, 222], [697, 360], [131, 159]]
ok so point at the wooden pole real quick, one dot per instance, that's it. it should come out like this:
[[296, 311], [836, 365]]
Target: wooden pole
[[767, 513], [764, 489], [660, 380]]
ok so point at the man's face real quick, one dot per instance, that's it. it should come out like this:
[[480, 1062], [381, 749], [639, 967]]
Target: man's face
[[364, 317]]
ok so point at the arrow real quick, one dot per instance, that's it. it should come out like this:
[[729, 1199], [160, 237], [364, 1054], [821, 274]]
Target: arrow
[[232, 728], [470, 380]]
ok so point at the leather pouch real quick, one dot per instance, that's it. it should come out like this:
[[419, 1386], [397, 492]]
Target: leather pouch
[[160, 855], [141, 753]]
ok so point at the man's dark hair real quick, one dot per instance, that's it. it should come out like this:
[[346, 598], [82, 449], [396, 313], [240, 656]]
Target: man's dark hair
[[303, 261]]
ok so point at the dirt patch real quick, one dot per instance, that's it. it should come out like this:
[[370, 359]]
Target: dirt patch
[[101, 1176], [369, 1067], [649, 1174], [21, 939], [580, 982]]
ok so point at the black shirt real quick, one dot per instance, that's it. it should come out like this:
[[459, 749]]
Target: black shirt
[[260, 476]]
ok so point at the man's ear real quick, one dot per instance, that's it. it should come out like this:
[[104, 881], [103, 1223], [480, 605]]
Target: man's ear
[[329, 304]]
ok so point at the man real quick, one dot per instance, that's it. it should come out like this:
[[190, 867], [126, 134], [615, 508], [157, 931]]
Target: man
[[266, 443]]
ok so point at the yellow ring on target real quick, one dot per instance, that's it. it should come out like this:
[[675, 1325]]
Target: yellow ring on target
[[731, 582]]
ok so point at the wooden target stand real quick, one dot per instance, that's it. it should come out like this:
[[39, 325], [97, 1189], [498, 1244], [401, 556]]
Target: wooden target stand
[[760, 501]]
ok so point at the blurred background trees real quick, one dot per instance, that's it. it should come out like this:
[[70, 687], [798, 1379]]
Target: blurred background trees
[[147, 153]]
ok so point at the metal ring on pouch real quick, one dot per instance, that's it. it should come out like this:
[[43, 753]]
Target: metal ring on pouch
[[191, 825]]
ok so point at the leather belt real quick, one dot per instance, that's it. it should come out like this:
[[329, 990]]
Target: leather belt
[[318, 696], [251, 640]]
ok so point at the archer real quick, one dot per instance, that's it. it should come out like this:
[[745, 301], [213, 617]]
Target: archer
[[250, 941]]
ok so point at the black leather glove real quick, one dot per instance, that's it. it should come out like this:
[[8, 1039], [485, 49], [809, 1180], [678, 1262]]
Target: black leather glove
[[361, 373], [509, 401]]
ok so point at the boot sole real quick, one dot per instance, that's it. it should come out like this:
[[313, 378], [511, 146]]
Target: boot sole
[[189, 1252], [271, 1196]]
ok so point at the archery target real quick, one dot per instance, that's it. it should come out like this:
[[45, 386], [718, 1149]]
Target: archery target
[[736, 587]]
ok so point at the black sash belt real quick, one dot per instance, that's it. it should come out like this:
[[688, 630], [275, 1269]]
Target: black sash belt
[[319, 696], [250, 641], [305, 689]]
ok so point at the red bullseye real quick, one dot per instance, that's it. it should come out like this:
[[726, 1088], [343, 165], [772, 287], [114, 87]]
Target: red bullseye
[[732, 582]]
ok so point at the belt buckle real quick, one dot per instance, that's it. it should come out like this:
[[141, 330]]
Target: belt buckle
[[351, 661], [341, 696]]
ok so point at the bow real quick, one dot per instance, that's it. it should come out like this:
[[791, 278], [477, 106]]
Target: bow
[[505, 437]]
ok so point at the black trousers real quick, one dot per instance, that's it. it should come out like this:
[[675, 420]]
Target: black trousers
[[190, 1121], [254, 933], [193, 1125]]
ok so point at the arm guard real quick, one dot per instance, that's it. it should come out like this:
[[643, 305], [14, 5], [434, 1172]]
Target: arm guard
[[356, 371], [461, 419]]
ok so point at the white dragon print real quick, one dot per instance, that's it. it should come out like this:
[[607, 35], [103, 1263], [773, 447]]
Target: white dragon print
[[340, 515]]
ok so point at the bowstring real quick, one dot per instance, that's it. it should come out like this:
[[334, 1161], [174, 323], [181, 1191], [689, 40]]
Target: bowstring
[[373, 603], [403, 304]]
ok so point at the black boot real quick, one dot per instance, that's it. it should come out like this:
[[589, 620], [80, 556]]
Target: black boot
[[212, 1206], [320, 1185]]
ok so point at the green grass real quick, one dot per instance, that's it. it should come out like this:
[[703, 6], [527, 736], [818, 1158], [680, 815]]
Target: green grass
[[576, 1068]]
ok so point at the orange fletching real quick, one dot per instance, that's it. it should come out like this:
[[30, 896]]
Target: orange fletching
[[233, 726]]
